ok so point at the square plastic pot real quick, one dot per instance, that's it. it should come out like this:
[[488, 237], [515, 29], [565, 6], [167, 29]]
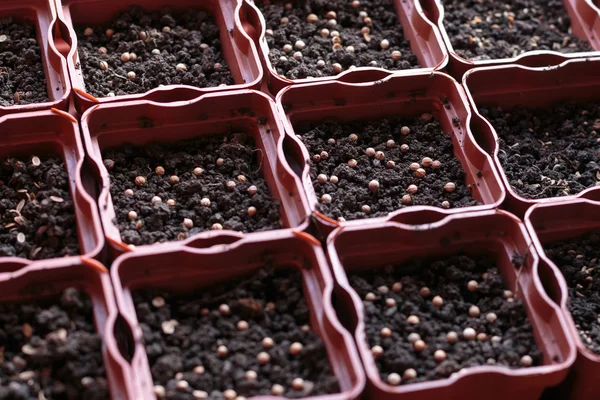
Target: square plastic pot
[[237, 47], [585, 24], [409, 95], [426, 43], [43, 14], [496, 232], [198, 262], [56, 132], [548, 223], [40, 281], [575, 80], [112, 125]]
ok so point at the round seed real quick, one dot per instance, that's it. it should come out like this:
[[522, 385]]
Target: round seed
[[377, 351], [413, 320], [452, 337], [394, 379], [472, 286], [526, 361], [469, 334], [439, 355]]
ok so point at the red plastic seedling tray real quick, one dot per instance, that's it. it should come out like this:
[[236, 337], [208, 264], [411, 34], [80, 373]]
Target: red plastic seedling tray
[[199, 262], [410, 95], [246, 111], [575, 80], [237, 47], [55, 132], [43, 14], [549, 223], [39, 281], [585, 23], [502, 234], [426, 43]]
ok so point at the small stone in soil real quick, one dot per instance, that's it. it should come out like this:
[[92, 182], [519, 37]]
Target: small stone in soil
[[349, 161], [577, 259], [431, 349], [548, 152], [204, 199], [192, 40], [51, 350], [249, 367]]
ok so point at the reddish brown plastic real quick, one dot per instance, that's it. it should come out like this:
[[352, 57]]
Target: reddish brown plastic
[[254, 113], [43, 14], [585, 24], [426, 43], [394, 95], [55, 132], [354, 248], [514, 85], [237, 47], [43, 280], [549, 223], [198, 262]]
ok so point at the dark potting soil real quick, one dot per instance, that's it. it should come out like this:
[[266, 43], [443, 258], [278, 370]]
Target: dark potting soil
[[509, 338], [50, 350], [36, 209], [183, 336], [228, 207], [578, 259], [365, 49], [494, 29], [352, 192], [22, 78], [191, 39], [548, 152]]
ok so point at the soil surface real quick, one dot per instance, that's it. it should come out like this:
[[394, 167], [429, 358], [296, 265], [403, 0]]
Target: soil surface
[[357, 48], [506, 341], [22, 78], [352, 191], [578, 261], [494, 29], [548, 152], [36, 209], [269, 303], [191, 39], [231, 208], [50, 350]]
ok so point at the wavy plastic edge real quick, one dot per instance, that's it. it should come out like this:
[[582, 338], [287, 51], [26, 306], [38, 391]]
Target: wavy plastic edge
[[527, 86], [502, 232], [561, 221], [246, 108], [417, 28], [410, 94], [238, 46], [199, 262]]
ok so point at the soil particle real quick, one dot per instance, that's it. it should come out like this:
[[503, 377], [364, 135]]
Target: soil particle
[[577, 259], [22, 79], [36, 209], [358, 49], [271, 302], [495, 29], [50, 350], [448, 278], [548, 152], [352, 190], [191, 39], [205, 199]]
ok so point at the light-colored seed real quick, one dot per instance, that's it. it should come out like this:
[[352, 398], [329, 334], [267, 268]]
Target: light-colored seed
[[377, 351], [188, 223], [277, 390], [181, 67], [413, 320], [469, 334], [472, 286], [88, 31], [268, 343], [437, 301], [439, 355], [229, 394], [131, 215], [394, 379], [103, 65], [199, 370], [298, 384], [386, 332], [449, 187], [131, 75], [296, 348], [452, 337], [337, 68], [158, 302], [474, 311], [222, 350], [526, 361], [250, 375], [224, 309], [491, 317], [384, 44], [409, 374], [419, 345], [263, 358], [125, 57]]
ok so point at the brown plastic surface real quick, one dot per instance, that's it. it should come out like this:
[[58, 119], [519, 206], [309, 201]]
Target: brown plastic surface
[[394, 95], [426, 43], [549, 223], [354, 248], [254, 113], [55, 132], [39, 281], [198, 262], [585, 24], [509, 86], [237, 47], [43, 14]]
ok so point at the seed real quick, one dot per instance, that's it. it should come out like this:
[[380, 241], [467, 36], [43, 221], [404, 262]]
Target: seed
[[366, 209], [404, 148], [197, 171], [324, 32], [88, 31], [405, 130], [156, 200], [508, 294], [103, 65], [251, 211], [326, 199], [181, 67], [414, 166], [380, 155], [526, 361], [413, 337], [171, 203], [158, 302], [370, 297], [224, 309], [386, 332], [396, 287], [230, 185], [250, 375], [125, 57], [128, 192], [296, 348], [21, 237], [182, 385], [445, 204], [390, 303], [390, 143], [199, 370], [174, 180], [188, 223], [297, 56], [268, 343], [300, 44], [474, 311], [390, 164], [230, 394], [413, 320], [219, 162], [384, 44], [131, 215], [419, 345], [374, 186], [469, 334], [312, 18], [350, 49], [394, 379], [200, 394], [437, 301], [409, 374], [337, 68], [159, 170], [331, 15], [439, 355], [396, 55], [321, 64], [352, 163], [222, 350], [160, 391], [449, 187], [472, 286], [436, 164], [334, 179], [482, 337], [452, 337], [284, 21], [425, 291], [252, 190], [377, 351], [168, 327], [131, 75], [420, 173], [426, 162], [495, 339], [491, 317], [109, 164], [324, 155], [263, 357], [370, 152], [322, 178], [277, 390], [287, 48]]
